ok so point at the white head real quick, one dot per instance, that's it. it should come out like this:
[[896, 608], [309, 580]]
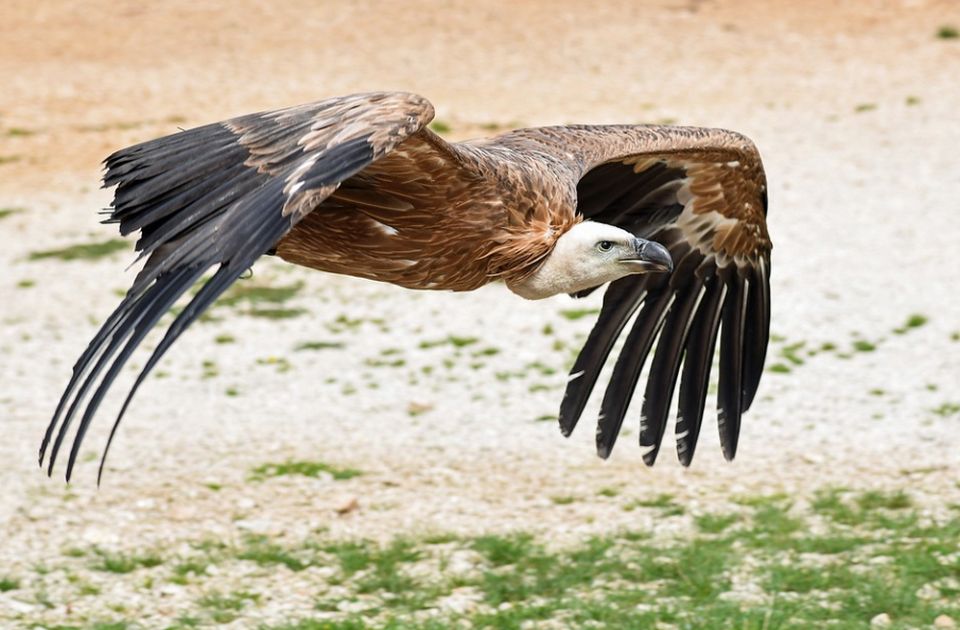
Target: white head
[[590, 254]]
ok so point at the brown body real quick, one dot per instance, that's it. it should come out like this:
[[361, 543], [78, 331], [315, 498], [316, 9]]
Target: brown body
[[434, 216], [430, 215]]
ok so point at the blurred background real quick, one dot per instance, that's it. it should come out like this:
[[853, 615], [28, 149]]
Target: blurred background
[[326, 452]]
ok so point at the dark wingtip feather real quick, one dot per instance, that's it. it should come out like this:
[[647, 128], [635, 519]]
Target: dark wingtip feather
[[695, 378], [217, 195], [730, 390], [757, 330], [209, 292], [621, 300], [664, 370], [626, 371], [129, 324]]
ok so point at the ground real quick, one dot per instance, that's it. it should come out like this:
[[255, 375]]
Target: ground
[[325, 452]]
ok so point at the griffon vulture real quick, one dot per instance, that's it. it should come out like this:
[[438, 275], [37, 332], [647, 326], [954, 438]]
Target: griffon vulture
[[672, 218]]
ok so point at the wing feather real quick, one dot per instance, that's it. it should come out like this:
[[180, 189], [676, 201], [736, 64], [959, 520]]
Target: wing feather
[[620, 302], [219, 196], [664, 371], [626, 371], [730, 387], [695, 379]]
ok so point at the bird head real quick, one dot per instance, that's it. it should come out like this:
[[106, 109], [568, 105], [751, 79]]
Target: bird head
[[590, 254]]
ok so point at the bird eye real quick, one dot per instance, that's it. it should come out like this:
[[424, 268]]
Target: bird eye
[[605, 246]]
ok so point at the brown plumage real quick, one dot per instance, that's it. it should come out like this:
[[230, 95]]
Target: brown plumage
[[358, 185]]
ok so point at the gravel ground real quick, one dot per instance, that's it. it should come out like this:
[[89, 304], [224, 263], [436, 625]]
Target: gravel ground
[[856, 117]]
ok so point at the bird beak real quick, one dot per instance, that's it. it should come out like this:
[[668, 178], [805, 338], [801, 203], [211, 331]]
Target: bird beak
[[649, 256]]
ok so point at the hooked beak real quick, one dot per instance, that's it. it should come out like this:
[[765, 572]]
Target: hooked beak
[[649, 256]]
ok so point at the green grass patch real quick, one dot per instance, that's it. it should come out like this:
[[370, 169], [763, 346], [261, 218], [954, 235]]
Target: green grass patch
[[225, 608], [184, 570], [916, 320], [946, 409], [663, 502], [250, 293], [791, 352], [302, 468], [119, 562], [378, 569], [276, 313], [8, 583], [265, 552], [440, 126], [791, 578], [452, 340], [862, 345], [835, 561], [84, 251], [948, 32], [574, 314], [715, 523], [504, 550], [875, 499], [9, 212], [870, 510], [319, 345]]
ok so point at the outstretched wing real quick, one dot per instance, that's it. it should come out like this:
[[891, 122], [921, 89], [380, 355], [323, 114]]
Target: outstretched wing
[[701, 193], [219, 196]]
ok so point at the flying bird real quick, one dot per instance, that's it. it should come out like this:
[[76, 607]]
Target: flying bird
[[672, 219]]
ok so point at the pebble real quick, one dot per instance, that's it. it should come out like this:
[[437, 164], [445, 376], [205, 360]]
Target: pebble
[[944, 621], [880, 621], [347, 505]]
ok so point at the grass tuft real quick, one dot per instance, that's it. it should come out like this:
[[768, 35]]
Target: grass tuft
[[662, 502], [85, 251], [264, 552], [225, 608], [574, 314], [8, 583], [318, 345], [440, 126], [9, 212], [862, 345], [118, 562], [948, 32], [303, 468], [252, 294], [715, 523]]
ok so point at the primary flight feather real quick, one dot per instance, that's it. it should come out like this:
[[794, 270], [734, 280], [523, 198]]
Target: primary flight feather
[[672, 218]]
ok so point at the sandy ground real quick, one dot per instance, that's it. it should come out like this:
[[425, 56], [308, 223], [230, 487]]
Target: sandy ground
[[855, 109]]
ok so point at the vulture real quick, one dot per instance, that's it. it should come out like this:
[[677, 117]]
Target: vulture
[[672, 219]]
